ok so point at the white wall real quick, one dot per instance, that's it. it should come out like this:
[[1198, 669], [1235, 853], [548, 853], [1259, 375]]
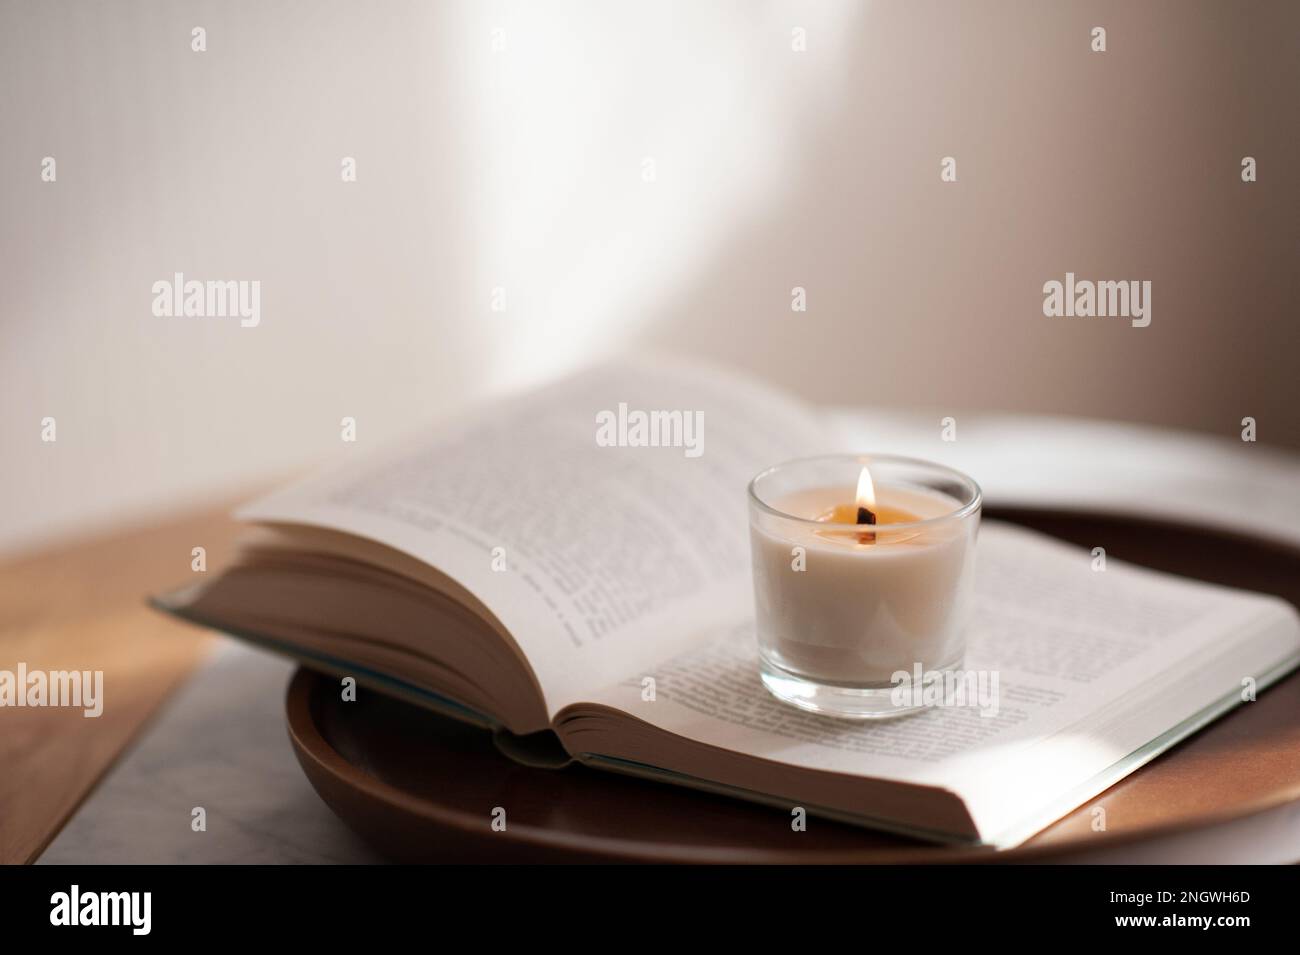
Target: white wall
[[523, 168]]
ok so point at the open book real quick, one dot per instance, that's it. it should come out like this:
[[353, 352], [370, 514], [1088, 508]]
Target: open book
[[561, 562]]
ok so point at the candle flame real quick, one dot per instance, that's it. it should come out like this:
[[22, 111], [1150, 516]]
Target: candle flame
[[866, 491]]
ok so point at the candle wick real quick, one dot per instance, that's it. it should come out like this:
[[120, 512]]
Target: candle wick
[[865, 516]]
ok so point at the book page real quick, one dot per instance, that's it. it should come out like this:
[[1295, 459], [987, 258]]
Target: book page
[[1068, 647], [601, 519]]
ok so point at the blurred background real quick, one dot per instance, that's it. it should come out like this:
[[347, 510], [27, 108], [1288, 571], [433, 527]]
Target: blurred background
[[613, 176]]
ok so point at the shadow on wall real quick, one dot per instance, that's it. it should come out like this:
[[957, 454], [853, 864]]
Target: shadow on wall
[[1123, 164]]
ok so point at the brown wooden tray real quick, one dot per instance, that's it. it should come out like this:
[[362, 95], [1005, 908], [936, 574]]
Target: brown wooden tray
[[422, 788]]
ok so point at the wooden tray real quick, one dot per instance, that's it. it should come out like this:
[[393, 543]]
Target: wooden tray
[[422, 788]]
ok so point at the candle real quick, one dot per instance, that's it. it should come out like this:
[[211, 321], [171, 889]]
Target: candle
[[863, 568]]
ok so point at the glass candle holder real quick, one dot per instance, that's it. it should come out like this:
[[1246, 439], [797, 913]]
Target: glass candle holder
[[844, 607]]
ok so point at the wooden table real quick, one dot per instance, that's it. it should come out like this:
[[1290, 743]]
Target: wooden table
[[81, 606]]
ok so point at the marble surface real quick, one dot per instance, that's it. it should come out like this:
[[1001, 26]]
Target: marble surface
[[220, 743]]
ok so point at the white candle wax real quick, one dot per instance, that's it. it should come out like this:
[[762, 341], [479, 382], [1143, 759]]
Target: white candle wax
[[860, 610]]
